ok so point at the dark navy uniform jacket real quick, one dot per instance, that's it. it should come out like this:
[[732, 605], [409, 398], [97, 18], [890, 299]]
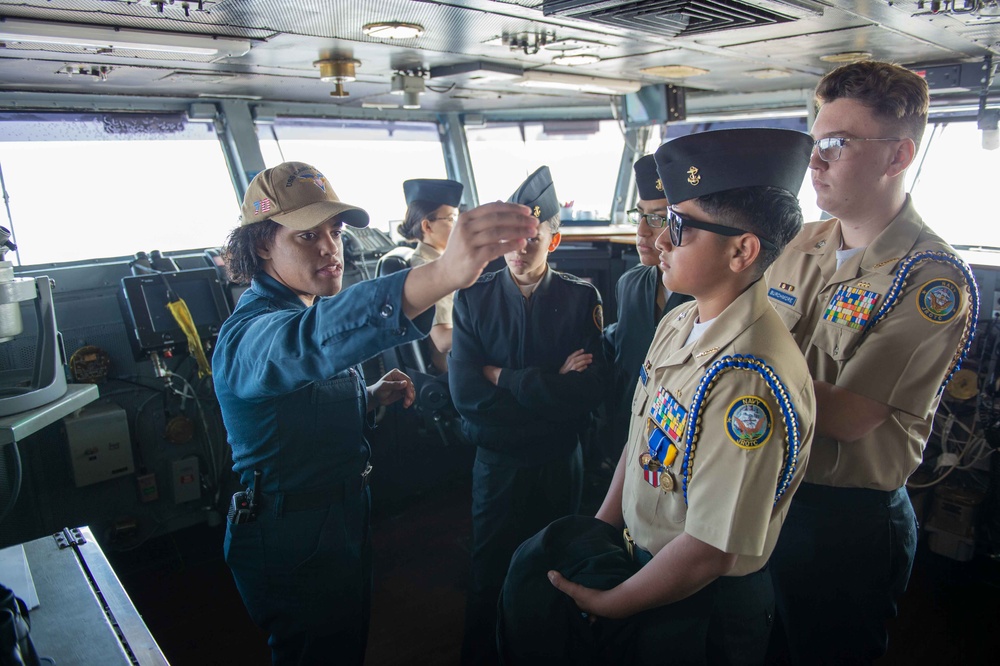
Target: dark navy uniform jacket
[[628, 339], [292, 394], [534, 414]]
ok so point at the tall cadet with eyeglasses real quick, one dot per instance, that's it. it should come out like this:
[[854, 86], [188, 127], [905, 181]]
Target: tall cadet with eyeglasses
[[642, 299], [721, 417], [880, 306]]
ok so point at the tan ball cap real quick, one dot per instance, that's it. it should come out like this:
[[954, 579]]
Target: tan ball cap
[[296, 195]]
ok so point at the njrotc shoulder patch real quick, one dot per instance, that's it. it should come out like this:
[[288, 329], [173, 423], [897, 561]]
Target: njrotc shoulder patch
[[749, 422], [851, 306], [599, 317], [939, 300]]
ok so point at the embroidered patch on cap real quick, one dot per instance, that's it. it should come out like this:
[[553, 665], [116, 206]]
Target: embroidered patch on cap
[[938, 300], [851, 307], [668, 414], [262, 206], [749, 422], [316, 178]]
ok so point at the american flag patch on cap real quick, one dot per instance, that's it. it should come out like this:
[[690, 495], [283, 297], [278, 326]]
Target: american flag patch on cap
[[262, 206]]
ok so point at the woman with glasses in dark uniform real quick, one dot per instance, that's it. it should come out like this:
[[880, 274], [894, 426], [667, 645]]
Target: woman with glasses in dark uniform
[[431, 212], [294, 400]]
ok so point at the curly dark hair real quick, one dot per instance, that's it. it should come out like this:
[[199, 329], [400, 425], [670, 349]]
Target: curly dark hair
[[771, 213], [240, 250], [897, 96], [416, 212]]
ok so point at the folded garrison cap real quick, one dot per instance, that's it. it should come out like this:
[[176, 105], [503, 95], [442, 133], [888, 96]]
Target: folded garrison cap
[[439, 191], [539, 194], [539, 624], [296, 195], [709, 162], [647, 180]]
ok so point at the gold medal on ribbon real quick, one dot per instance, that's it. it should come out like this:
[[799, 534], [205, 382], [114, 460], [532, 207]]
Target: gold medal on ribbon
[[667, 481]]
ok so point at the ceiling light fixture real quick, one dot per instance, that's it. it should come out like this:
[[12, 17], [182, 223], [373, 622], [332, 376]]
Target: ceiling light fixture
[[574, 60], [409, 86], [337, 71], [769, 73], [108, 38], [847, 57], [393, 30], [674, 71], [577, 83]]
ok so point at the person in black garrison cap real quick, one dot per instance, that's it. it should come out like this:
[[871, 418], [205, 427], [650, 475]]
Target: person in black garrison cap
[[642, 301], [526, 372], [431, 211], [722, 417]]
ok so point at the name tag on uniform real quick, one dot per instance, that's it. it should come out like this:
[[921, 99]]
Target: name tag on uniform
[[643, 376]]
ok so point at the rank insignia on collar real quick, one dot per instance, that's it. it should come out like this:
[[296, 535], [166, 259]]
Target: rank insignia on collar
[[851, 307], [749, 422], [939, 300], [787, 287]]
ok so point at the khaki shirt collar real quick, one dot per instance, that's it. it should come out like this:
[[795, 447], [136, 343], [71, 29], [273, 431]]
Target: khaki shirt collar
[[739, 316], [427, 251]]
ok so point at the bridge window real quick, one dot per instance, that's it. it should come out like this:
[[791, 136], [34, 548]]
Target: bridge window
[[583, 156], [108, 185], [954, 187], [365, 161]]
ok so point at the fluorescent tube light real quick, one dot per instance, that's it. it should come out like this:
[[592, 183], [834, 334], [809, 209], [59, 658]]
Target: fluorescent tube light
[[577, 82], [109, 38]]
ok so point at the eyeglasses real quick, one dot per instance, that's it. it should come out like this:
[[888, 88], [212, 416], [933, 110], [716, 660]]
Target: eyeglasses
[[451, 218], [635, 216], [830, 147], [676, 224]]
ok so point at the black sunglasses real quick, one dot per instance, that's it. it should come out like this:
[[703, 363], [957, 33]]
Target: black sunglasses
[[677, 222]]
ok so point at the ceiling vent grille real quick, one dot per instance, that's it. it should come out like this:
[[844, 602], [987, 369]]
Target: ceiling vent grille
[[676, 18]]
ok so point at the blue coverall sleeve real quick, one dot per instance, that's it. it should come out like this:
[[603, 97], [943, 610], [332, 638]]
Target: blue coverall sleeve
[[280, 351]]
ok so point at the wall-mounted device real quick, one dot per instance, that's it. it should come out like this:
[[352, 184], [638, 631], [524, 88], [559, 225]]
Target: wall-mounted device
[[100, 447], [144, 299], [45, 382]]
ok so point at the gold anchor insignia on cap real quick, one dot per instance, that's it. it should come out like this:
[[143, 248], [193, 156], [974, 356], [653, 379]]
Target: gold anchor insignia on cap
[[693, 176], [659, 185], [537, 212]]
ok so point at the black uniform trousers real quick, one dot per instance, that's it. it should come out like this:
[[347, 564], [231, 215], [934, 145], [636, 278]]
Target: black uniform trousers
[[305, 575], [509, 504], [845, 554]]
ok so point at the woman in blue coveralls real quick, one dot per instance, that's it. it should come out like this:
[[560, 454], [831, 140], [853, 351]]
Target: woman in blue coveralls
[[294, 399]]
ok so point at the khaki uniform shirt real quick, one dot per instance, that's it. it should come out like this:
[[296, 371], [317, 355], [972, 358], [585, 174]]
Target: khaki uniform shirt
[[730, 496], [443, 308], [901, 362]]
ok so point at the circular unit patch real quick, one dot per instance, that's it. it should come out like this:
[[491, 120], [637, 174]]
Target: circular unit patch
[[939, 300], [749, 422]]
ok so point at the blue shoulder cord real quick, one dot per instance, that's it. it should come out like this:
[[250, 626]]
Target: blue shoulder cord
[[780, 393], [971, 288]]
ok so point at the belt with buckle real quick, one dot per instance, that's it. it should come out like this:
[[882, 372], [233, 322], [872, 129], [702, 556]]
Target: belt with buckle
[[315, 499], [635, 553]]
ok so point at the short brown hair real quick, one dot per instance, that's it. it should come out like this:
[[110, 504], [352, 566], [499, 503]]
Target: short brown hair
[[895, 95], [240, 250]]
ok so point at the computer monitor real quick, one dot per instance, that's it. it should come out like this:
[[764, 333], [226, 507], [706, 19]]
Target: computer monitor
[[144, 301]]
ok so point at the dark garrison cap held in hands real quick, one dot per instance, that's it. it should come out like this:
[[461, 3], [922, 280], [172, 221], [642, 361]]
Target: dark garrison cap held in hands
[[434, 190], [709, 162], [647, 180], [539, 194]]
